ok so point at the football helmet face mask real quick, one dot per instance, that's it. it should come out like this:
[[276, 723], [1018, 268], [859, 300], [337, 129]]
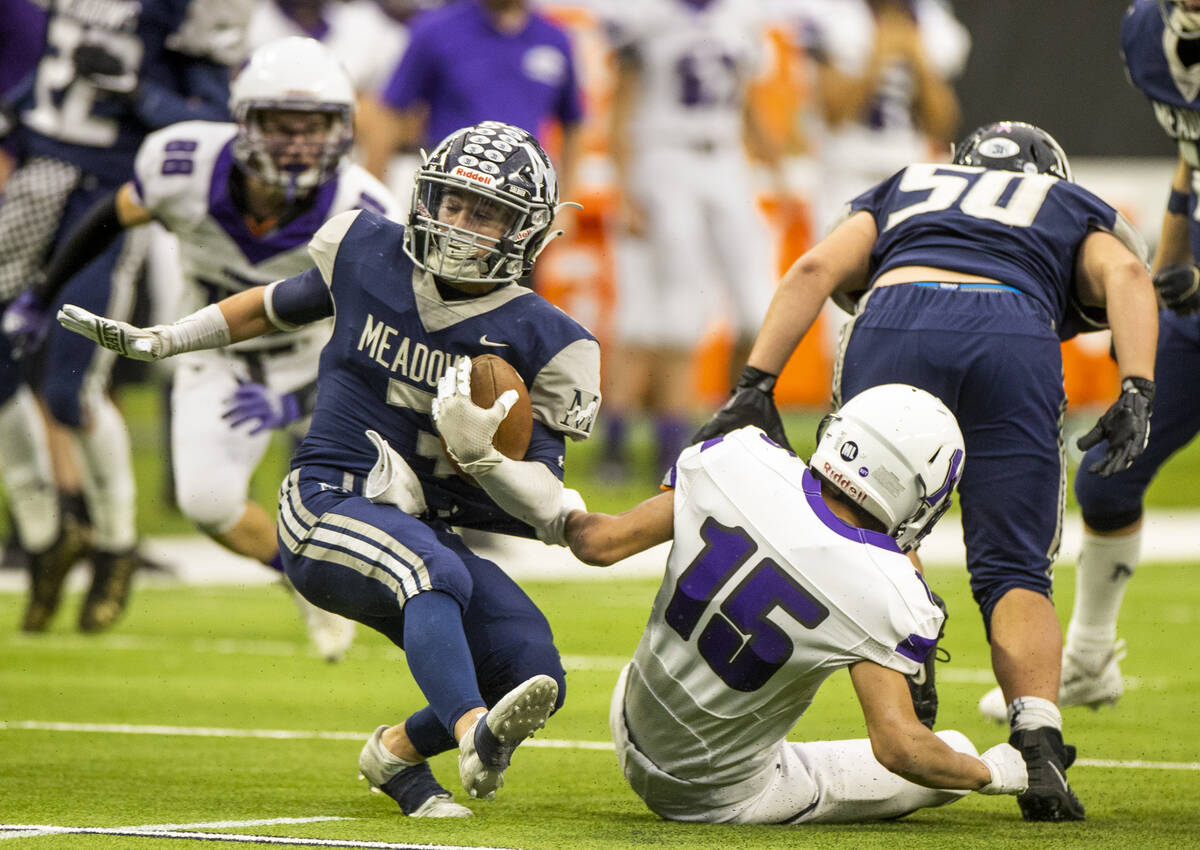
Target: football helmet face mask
[[1181, 17], [897, 452], [294, 107], [483, 203], [1014, 146]]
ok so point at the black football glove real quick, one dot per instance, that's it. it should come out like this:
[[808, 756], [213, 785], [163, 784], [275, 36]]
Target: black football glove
[[1126, 426], [1179, 288], [751, 403]]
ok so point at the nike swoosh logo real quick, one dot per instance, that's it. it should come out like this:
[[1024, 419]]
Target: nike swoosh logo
[[1061, 778], [483, 340]]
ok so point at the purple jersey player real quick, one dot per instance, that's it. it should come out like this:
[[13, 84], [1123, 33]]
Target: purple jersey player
[[967, 275], [477, 60]]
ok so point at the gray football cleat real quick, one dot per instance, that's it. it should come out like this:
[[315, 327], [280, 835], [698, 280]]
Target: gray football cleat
[[487, 748], [414, 788]]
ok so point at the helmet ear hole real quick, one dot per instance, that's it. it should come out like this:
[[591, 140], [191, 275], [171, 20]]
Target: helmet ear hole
[[823, 425]]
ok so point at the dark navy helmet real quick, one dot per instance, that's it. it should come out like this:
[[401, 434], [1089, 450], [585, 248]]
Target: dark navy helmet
[[1013, 146], [482, 207]]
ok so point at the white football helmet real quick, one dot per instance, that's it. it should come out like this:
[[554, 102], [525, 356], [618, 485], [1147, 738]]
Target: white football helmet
[[284, 82], [897, 452], [1181, 17]]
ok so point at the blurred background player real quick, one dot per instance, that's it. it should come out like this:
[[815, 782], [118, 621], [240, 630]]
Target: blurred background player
[[881, 92], [472, 61], [691, 243], [359, 33], [109, 73], [967, 276], [365, 513], [1160, 52], [244, 199], [807, 562]]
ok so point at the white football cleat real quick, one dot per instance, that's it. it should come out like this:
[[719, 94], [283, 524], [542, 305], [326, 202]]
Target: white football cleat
[[331, 635], [518, 714], [413, 788], [441, 806], [1090, 685]]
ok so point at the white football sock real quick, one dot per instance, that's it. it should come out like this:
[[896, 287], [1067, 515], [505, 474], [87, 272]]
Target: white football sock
[[1033, 713], [108, 483], [28, 473], [1105, 566]]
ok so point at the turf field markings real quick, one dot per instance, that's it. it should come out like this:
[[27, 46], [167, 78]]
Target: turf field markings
[[543, 743], [27, 830]]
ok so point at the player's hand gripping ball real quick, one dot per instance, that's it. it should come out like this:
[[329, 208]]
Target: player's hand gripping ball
[[474, 415]]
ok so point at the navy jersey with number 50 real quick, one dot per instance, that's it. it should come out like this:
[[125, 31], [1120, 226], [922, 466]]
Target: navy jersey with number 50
[[1020, 229], [394, 336]]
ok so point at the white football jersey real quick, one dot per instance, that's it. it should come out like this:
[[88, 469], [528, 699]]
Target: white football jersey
[[695, 66], [766, 594], [364, 39], [181, 175]]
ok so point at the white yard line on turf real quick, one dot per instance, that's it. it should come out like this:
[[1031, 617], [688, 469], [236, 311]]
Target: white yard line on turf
[[16, 830], [545, 743]]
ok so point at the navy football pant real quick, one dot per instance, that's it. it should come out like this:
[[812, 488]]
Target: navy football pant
[[1115, 502], [993, 359], [365, 561]]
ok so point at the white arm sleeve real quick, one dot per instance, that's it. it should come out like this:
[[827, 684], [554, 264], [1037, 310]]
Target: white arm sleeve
[[527, 490], [206, 328]]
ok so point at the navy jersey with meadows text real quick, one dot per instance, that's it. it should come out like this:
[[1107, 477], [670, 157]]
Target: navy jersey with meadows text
[[394, 336], [1020, 229]]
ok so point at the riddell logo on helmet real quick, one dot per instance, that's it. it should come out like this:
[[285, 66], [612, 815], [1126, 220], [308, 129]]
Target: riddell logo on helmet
[[471, 174], [847, 484]]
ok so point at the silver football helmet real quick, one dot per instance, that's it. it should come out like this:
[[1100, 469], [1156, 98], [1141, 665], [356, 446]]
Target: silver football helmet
[[483, 203], [294, 107], [897, 452]]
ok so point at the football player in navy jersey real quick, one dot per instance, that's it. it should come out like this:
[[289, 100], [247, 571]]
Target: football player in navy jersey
[[1161, 46], [365, 515], [967, 276], [110, 72]]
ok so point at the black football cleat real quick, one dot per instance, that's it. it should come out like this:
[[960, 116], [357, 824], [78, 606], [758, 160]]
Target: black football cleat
[[105, 602], [48, 571], [921, 684], [1047, 758]]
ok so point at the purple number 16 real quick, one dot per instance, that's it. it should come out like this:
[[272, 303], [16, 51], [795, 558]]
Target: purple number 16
[[738, 642]]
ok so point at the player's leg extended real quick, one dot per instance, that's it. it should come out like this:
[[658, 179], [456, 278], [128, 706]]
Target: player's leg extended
[[391, 572], [1112, 516], [75, 388]]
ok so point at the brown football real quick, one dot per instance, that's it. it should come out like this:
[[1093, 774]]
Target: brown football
[[490, 377]]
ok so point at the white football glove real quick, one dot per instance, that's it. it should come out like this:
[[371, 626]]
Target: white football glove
[[121, 337], [1009, 774], [467, 428]]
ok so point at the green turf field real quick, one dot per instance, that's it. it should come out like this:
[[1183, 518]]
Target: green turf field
[[204, 711], [181, 691]]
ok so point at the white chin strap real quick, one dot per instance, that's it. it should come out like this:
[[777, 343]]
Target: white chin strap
[[1186, 23]]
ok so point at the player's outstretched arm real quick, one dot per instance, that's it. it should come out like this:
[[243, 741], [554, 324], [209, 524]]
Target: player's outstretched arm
[[1108, 273], [238, 317], [604, 539], [907, 748], [838, 262]]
